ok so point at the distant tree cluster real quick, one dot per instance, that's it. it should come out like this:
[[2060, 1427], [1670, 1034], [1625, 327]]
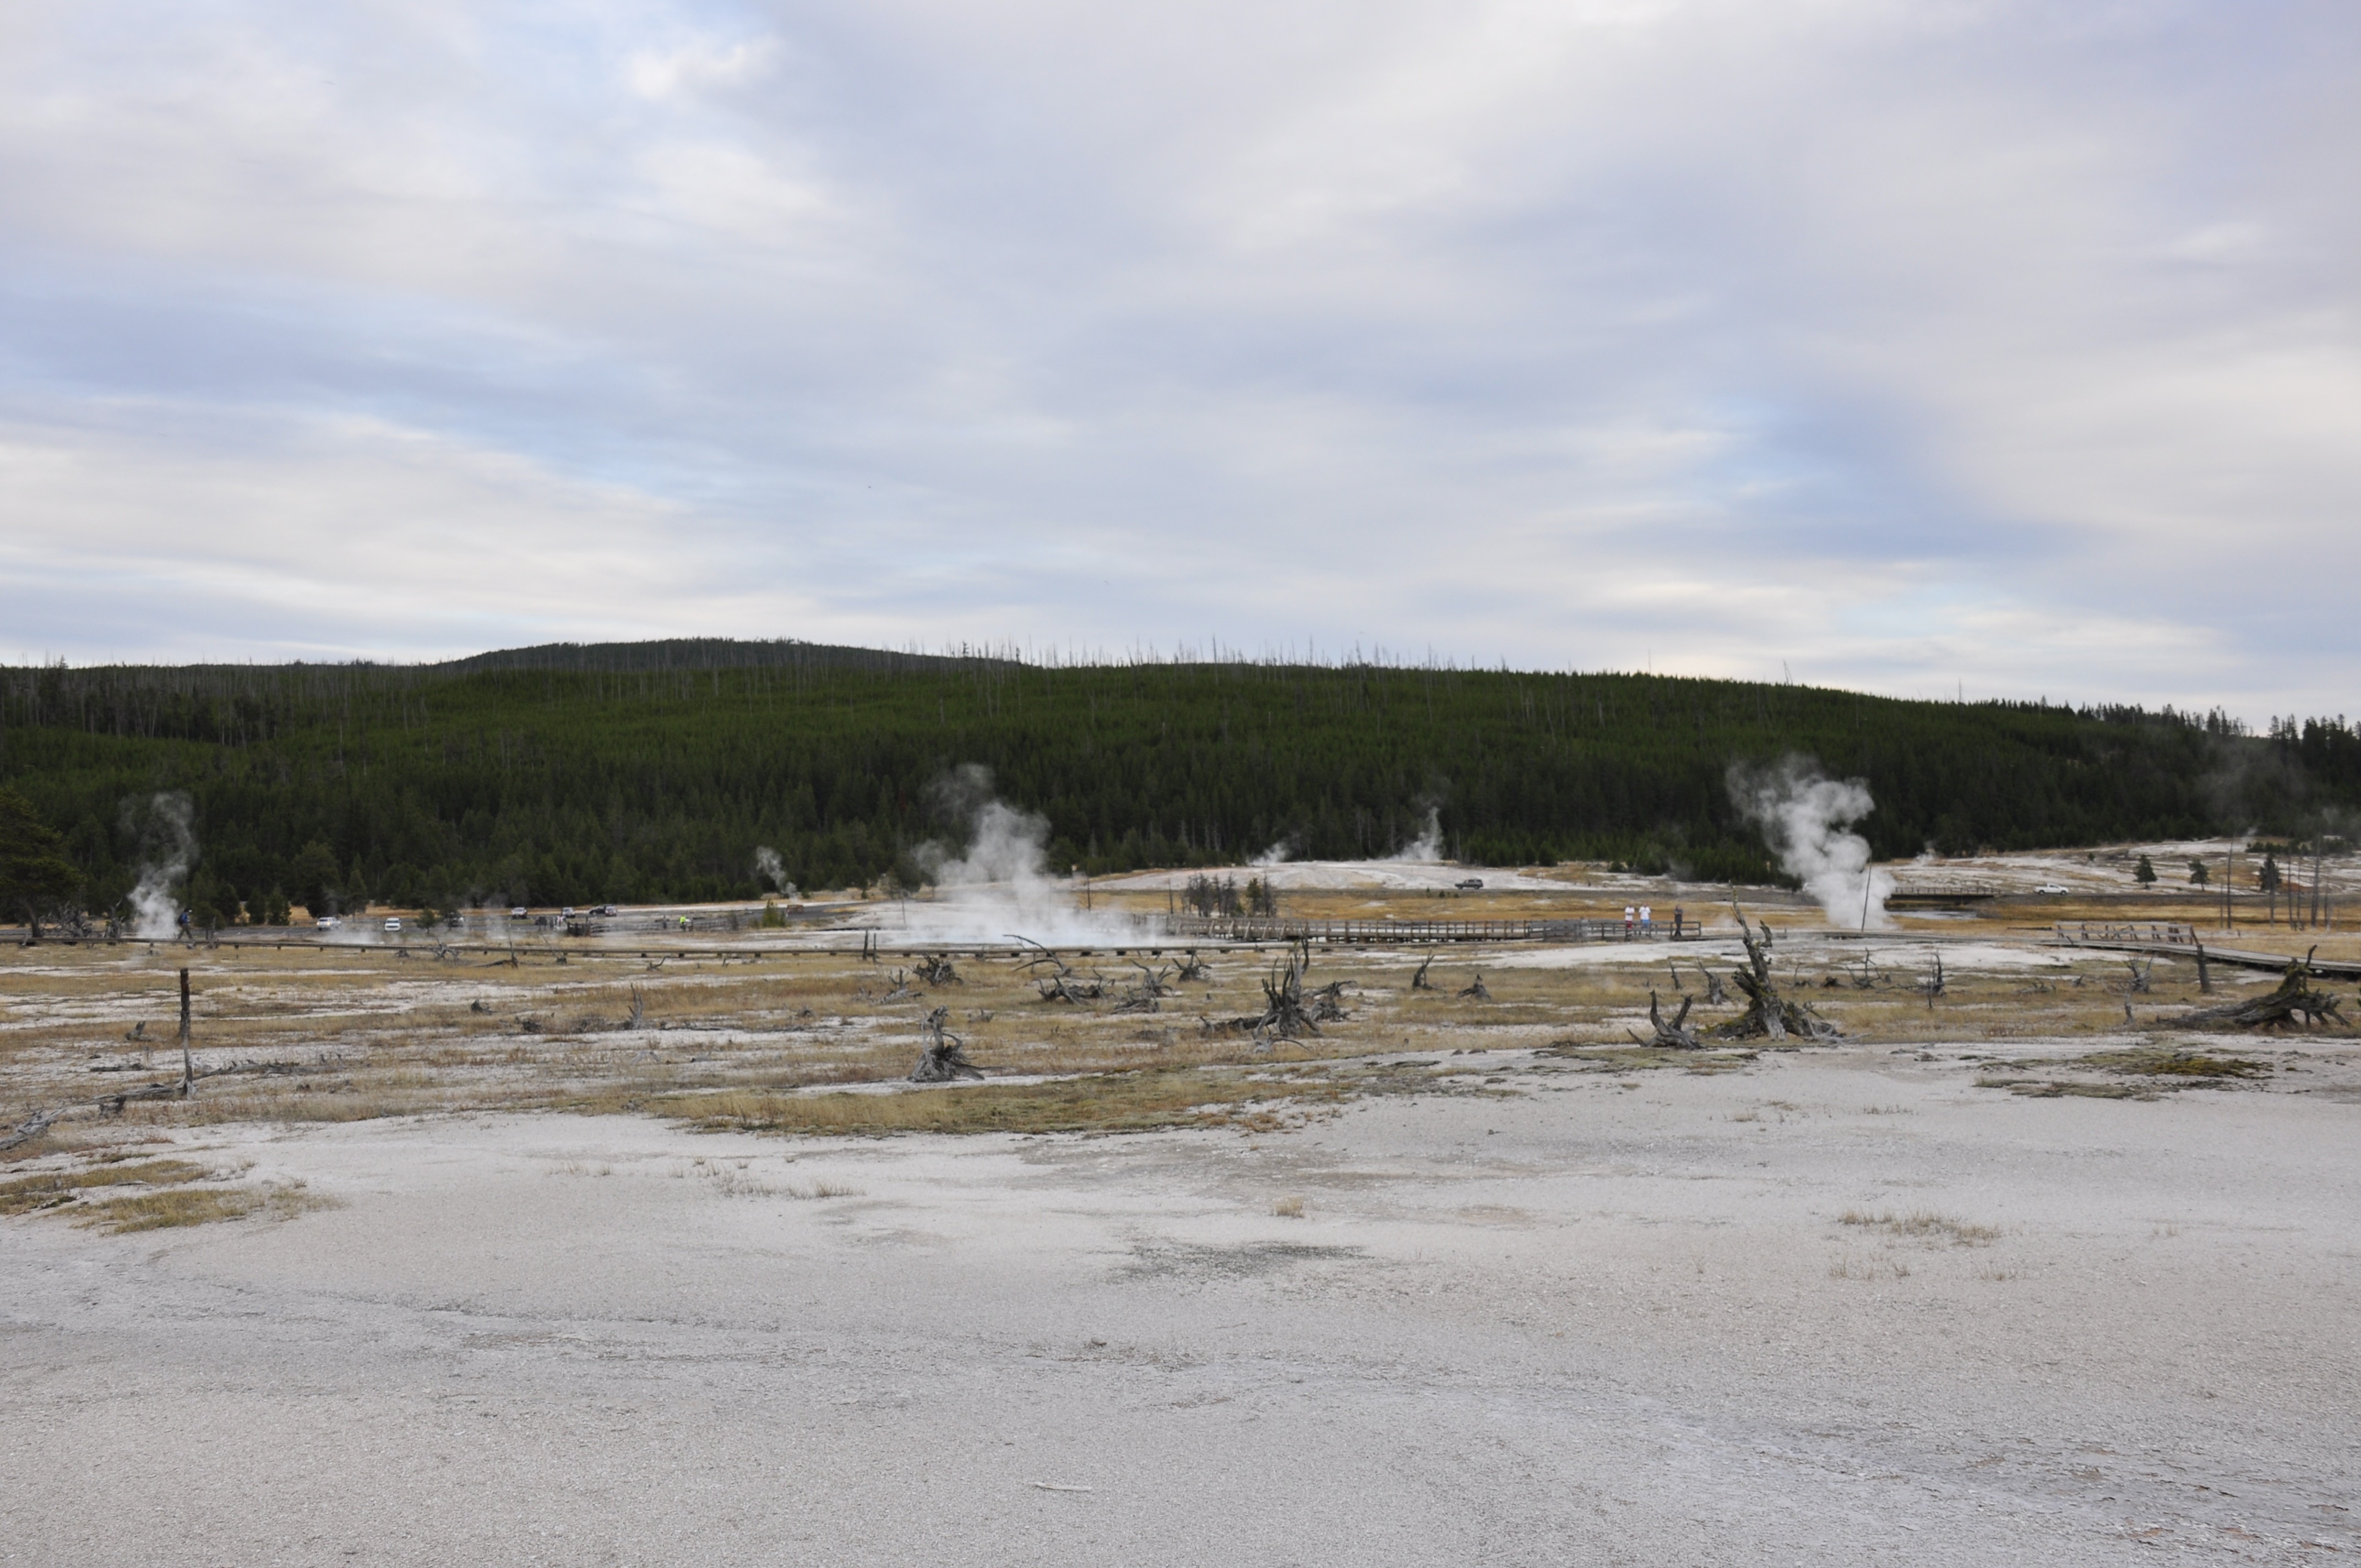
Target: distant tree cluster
[[1221, 895], [583, 775]]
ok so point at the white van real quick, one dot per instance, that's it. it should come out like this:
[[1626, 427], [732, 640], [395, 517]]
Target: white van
[[393, 923]]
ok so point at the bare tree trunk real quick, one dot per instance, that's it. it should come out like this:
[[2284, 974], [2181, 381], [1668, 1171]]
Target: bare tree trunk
[[188, 1063]]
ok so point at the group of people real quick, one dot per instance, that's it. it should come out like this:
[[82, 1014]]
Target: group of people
[[1641, 919]]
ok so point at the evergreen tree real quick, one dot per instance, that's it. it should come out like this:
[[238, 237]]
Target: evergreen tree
[[35, 877], [2145, 873]]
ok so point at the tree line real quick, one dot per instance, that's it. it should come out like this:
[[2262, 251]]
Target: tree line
[[654, 771]]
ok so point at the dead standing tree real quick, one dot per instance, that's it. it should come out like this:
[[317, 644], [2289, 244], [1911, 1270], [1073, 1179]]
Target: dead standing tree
[[1419, 981], [1769, 1014], [944, 1059]]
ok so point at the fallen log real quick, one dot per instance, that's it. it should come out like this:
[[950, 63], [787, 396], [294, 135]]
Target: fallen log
[[2293, 999]]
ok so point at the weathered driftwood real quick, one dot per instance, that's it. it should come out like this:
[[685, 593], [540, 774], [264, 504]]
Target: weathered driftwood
[[28, 1131], [2294, 1000], [945, 1056], [1475, 989], [1675, 1035], [1715, 996], [1419, 981], [2143, 979], [936, 969], [1190, 968], [902, 990], [1769, 1016]]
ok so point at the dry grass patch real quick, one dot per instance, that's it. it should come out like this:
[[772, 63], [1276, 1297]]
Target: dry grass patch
[[1923, 1224], [52, 1189], [1106, 1102], [2060, 1089], [1637, 1059], [2168, 1062], [201, 1205]]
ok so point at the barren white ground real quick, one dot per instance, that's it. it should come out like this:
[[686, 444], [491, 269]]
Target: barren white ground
[[1583, 1324]]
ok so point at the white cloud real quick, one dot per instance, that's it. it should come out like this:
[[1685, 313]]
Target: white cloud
[[1907, 344]]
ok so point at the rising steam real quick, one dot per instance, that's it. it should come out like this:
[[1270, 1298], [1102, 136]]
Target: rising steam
[[1427, 848], [168, 847], [771, 868], [1000, 883], [1804, 815], [1279, 854]]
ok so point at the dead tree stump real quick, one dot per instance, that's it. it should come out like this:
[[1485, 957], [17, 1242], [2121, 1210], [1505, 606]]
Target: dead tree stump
[[1675, 1035], [1768, 1014], [944, 1059]]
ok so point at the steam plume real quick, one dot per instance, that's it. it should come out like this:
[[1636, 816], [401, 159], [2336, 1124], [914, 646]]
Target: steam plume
[[1000, 883], [1427, 848], [1804, 815], [1279, 854], [168, 847], [771, 868]]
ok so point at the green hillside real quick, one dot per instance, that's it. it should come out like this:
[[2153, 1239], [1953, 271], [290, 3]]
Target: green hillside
[[571, 774]]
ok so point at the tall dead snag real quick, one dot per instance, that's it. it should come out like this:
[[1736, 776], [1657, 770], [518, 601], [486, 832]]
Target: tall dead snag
[[1768, 1014], [1675, 1035], [945, 1057], [2142, 976], [2295, 999], [187, 1064], [1419, 981]]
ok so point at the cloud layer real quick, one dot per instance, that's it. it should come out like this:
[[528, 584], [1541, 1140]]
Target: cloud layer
[[1913, 346]]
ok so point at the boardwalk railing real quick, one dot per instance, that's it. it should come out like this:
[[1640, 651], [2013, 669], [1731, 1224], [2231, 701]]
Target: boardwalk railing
[[2165, 933], [1347, 933]]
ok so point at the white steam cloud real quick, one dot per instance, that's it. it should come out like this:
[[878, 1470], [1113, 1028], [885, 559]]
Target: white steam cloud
[[1279, 854], [1804, 815], [999, 884], [1427, 848], [168, 847], [771, 868]]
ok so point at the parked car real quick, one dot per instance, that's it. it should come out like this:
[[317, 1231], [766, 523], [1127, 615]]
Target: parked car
[[608, 910], [393, 922], [1473, 885], [2050, 887], [519, 912], [327, 923]]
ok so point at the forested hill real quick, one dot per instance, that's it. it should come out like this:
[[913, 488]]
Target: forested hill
[[654, 771]]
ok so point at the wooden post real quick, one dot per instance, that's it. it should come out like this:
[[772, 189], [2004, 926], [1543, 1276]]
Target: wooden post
[[187, 1064]]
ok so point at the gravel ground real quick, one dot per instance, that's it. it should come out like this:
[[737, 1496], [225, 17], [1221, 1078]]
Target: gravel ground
[[1570, 1317]]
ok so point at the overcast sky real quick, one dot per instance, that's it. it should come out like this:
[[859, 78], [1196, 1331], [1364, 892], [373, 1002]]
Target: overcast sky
[[1922, 346]]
